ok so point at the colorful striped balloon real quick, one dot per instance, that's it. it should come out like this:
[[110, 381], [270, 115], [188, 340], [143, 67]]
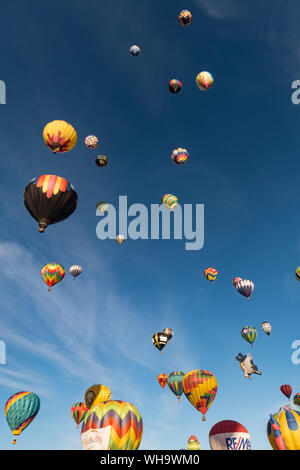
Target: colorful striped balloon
[[180, 156], [125, 421], [170, 201], [162, 380], [91, 141], [20, 409], [283, 430], [75, 270], [174, 382], [52, 274], [249, 333], [211, 274], [245, 288], [78, 412], [200, 388]]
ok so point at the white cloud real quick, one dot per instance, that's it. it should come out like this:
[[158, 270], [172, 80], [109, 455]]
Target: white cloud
[[223, 9]]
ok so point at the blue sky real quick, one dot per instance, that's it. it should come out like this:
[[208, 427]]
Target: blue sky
[[70, 60]]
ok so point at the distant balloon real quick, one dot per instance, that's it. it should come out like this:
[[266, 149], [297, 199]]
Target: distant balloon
[[170, 201], [235, 280], [249, 334], [296, 399], [50, 199], [200, 388], [185, 17], [59, 136], [266, 327], [162, 380], [174, 86], [20, 410], [193, 443], [297, 273], [102, 206], [120, 239], [78, 412], [135, 50], [211, 274], [174, 382], [286, 390], [229, 435], [245, 288], [204, 80], [91, 141], [180, 156], [159, 340], [75, 270], [101, 160], [168, 332], [52, 274]]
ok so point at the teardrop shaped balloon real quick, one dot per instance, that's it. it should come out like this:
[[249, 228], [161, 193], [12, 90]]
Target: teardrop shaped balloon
[[120, 239], [75, 270], [159, 340], [266, 326], [52, 273], [286, 390], [20, 410], [162, 380], [78, 412], [174, 382], [249, 334], [59, 136], [200, 388], [245, 287]]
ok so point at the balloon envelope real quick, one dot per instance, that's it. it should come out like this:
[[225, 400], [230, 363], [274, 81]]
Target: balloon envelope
[[20, 410], [200, 388], [59, 136], [229, 435]]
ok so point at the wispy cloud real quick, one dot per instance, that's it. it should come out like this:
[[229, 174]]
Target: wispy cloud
[[223, 9]]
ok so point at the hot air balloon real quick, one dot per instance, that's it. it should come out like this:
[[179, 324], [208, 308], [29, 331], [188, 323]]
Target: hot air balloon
[[96, 394], [123, 422], [266, 327], [59, 136], [75, 270], [180, 156], [249, 334], [245, 287], [20, 410], [193, 443], [50, 199], [235, 280], [174, 86], [174, 382], [168, 332], [286, 390], [159, 340], [91, 141], [78, 412], [185, 17], [296, 399], [102, 206], [283, 429], [135, 50], [170, 201], [211, 274], [200, 388], [247, 365], [162, 380], [229, 435], [204, 80], [120, 239], [52, 274], [101, 160], [297, 273]]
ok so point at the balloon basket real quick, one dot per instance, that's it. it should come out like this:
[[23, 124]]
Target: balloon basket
[[203, 419]]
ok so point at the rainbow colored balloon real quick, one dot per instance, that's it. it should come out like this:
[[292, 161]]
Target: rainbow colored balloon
[[204, 80], [78, 412], [174, 382], [200, 388], [20, 409], [125, 421], [249, 333], [52, 274], [211, 274], [170, 201], [91, 141], [180, 156]]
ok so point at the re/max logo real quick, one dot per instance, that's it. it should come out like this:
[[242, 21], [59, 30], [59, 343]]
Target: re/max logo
[[237, 443]]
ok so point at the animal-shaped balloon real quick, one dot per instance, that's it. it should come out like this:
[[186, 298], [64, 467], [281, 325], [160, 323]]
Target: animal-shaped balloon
[[247, 365]]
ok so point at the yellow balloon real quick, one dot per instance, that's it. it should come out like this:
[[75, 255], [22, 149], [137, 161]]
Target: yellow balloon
[[96, 394], [200, 387], [289, 422], [59, 136]]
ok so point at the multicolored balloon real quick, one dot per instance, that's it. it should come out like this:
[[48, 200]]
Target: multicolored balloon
[[168, 332], [59, 136], [185, 17], [124, 419], [296, 399], [287, 390], [235, 280], [200, 388], [20, 410], [135, 50], [297, 273], [101, 160], [91, 141], [174, 382], [160, 340], [211, 274], [180, 156], [120, 239], [50, 199], [266, 326], [249, 334], [229, 435], [162, 380], [283, 430], [193, 443], [75, 270], [174, 86], [204, 80], [245, 288], [170, 201], [78, 412], [52, 273]]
